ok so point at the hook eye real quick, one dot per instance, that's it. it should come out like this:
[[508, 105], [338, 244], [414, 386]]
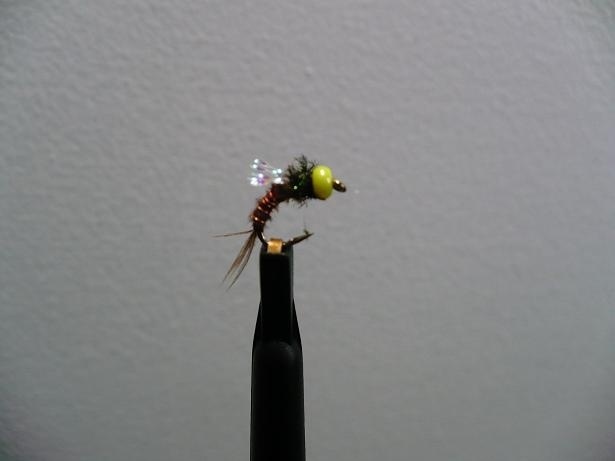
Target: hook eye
[[339, 185]]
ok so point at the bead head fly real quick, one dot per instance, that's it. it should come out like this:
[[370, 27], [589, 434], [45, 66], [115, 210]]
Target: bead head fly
[[300, 181]]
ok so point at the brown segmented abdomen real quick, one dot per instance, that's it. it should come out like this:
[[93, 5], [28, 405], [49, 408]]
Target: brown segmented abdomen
[[264, 207]]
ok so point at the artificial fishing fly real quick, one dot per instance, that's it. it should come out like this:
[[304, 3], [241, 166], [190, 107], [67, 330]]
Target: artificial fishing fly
[[302, 180]]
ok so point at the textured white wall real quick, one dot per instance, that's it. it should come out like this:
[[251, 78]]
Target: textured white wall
[[456, 304]]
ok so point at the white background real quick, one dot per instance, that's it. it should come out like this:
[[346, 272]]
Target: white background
[[457, 303]]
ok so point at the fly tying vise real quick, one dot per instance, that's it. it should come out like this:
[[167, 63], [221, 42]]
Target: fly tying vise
[[302, 180]]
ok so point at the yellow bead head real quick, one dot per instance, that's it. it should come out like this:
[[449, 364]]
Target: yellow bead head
[[323, 182]]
